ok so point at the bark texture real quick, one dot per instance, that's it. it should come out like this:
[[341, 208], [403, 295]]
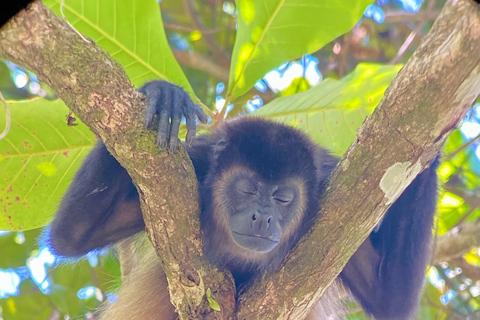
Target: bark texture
[[95, 87], [422, 106]]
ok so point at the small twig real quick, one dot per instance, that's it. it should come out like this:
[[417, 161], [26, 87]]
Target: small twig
[[7, 117], [76, 31], [463, 147], [177, 27], [342, 56], [407, 43], [470, 198], [464, 217], [214, 47], [401, 16], [413, 34]]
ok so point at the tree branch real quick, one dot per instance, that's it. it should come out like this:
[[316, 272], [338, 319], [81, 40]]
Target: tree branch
[[97, 89], [421, 107], [201, 62], [470, 271], [457, 242], [430, 95], [217, 52], [402, 16]]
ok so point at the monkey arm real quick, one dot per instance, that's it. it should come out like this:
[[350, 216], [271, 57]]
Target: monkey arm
[[386, 273], [101, 205]]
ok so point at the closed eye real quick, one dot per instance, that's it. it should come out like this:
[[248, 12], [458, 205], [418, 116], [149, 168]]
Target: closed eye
[[247, 192], [284, 196], [245, 186], [283, 200]]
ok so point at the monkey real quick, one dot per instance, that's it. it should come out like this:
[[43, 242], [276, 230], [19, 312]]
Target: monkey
[[260, 185]]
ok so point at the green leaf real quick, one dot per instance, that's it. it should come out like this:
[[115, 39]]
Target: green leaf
[[131, 31], [211, 302], [14, 250], [24, 306], [38, 159], [431, 307], [271, 32], [332, 111]]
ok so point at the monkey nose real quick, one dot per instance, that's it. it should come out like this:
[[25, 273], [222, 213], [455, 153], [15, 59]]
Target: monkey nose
[[262, 221]]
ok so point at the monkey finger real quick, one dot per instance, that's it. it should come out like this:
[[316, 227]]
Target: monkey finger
[[192, 108], [176, 118], [153, 97], [163, 129], [172, 146], [202, 116], [191, 129], [174, 128]]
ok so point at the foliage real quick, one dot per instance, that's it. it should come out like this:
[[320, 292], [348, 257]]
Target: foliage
[[296, 57], [332, 111], [39, 157], [131, 31], [275, 31]]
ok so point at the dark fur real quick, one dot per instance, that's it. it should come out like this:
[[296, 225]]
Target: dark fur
[[273, 151], [385, 275]]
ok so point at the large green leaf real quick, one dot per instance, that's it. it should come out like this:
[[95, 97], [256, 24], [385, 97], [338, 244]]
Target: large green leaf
[[332, 111], [271, 32], [37, 161], [131, 31]]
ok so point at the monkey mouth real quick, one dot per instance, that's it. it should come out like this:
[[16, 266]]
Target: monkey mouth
[[255, 236], [254, 242]]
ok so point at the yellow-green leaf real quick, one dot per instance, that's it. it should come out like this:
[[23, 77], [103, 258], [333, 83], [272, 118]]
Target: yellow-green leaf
[[332, 111], [39, 156], [131, 31], [271, 32]]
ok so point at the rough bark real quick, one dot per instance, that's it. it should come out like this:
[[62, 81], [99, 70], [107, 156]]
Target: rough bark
[[96, 88], [430, 95], [422, 106]]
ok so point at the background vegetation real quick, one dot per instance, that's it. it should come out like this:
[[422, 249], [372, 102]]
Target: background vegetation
[[317, 65]]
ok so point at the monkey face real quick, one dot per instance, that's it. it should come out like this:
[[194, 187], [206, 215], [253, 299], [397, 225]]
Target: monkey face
[[258, 214], [259, 194]]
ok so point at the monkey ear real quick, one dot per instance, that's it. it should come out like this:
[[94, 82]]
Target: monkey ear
[[324, 163], [219, 146]]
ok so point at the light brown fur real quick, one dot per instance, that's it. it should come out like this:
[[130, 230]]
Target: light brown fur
[[144, 293]]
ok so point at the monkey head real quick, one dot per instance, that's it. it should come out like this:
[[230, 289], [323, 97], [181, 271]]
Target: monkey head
[[261, 191]]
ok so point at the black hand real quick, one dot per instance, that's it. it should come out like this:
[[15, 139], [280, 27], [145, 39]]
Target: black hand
[[170, 103]]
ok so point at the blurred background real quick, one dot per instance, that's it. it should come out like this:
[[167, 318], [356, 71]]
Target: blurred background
[[349, 70]]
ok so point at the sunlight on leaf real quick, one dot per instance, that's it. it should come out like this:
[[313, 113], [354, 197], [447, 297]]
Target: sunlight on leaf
[[47, 169], [131, 31], [332, 111], [40, 155], [272, 32], [451, 200]]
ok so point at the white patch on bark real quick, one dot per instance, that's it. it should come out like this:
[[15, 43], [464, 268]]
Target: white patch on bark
[[469, 89], [397, 178]]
